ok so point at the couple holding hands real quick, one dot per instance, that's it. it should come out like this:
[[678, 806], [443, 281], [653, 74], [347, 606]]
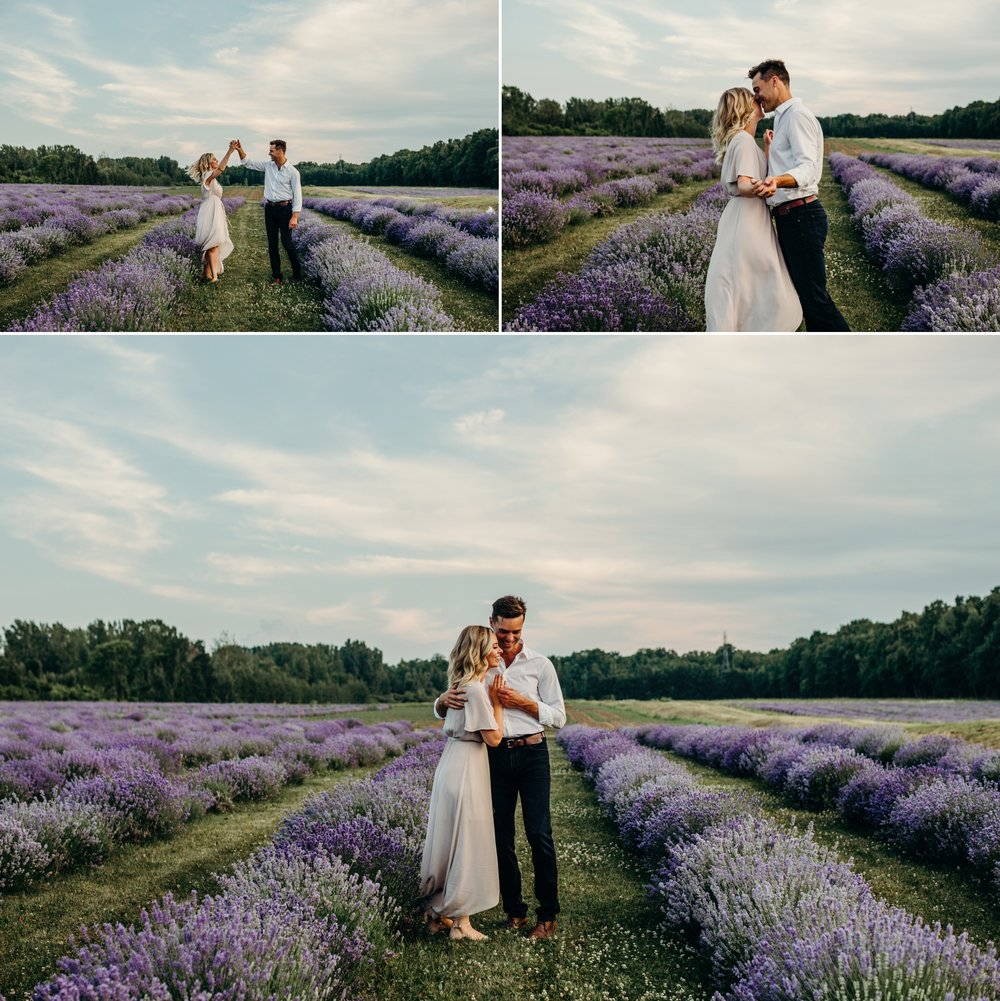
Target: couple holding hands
[[282, 205]]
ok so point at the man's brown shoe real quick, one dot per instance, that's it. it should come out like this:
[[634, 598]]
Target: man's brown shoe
[[544, 929], [516, 923]]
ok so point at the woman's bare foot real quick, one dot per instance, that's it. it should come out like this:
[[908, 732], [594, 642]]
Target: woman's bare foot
[[463, 929]]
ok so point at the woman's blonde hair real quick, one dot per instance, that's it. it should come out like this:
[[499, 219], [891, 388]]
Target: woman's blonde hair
[[468, 657], [203, 166], [731, 117]]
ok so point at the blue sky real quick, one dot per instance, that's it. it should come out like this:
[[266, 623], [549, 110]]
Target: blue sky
[[636, 491], [842, 55], [334, 78]]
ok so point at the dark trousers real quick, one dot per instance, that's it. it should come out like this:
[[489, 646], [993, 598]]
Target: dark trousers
[[801, 235], [524, 771], [276, 220]]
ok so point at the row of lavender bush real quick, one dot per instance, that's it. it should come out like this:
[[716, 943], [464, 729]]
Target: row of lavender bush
[[779, 916], [600, 174], [363, 290], [37, 224], [474, 259], [917, 804], [135, 791], [905, 710], [311, 916], [648, 275], [138, 292], [943, 268], [974, 181]]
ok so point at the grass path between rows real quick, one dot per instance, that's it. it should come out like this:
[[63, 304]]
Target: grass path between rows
[[36, 925], [51, 275], [244, 298], [608, 947]]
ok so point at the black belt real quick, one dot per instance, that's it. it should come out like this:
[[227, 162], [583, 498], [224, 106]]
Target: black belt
[[532, 738], [287, 202]]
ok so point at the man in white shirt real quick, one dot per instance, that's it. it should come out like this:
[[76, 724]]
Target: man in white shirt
[[532, 700], [795, 165], [282, 204]]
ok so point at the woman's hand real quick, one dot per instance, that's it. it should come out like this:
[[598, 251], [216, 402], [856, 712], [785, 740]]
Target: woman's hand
[[496, 684], [768, 139]]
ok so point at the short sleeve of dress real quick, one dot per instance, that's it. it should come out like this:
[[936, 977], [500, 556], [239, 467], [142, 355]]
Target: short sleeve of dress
[[741, 158], [478, 711]]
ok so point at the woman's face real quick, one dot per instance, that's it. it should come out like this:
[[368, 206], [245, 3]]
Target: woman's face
[[493, 655], [214, 162]]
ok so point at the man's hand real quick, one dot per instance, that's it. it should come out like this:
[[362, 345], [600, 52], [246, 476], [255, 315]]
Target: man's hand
[[454, 698], [765, 188], [294, 221], [510, 699]]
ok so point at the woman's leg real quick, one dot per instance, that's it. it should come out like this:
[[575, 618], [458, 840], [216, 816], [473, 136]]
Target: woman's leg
[[462, 928], [213, 257]]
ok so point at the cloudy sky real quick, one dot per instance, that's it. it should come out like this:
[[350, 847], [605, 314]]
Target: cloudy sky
[[334, 78], [842, 55], [636, 491]]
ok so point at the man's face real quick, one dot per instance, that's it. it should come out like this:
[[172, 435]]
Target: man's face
[[274, 153], [765, 92], [508, 632]]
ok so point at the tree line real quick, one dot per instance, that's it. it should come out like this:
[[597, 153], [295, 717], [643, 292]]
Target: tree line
[[945, 651], [523, 115], [469, 162]]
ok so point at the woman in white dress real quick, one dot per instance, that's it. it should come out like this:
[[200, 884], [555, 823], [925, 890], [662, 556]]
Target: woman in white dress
[[458, 873], [211, 231], [748, 287]]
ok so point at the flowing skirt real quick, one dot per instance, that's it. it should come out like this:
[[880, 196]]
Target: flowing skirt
[[212, 229], [458, 874], [748, 287]]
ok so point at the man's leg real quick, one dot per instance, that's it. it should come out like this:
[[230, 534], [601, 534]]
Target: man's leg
[[272, 224], [535, 784], [503, 790], [286, 241], [801, 235]]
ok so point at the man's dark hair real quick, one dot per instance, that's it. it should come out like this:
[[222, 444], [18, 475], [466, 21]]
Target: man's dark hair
[[769, 68], [280, 143], [508, 607]]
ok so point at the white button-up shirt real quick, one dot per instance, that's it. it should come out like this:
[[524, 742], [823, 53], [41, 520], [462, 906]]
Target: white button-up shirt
[[281, 184], [797, 149], [531, 674]]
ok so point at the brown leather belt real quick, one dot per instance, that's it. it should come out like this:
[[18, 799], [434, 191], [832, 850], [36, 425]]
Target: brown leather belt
[[287, 202], [788, 206], [532, 738]]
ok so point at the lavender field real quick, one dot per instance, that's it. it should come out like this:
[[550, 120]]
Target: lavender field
[[895, 260], [87, 259]]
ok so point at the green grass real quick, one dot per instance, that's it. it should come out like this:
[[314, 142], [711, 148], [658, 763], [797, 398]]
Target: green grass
[[526, 270], [471, 308], [607, 947], [36, 924], [244, 298], [47, 277]]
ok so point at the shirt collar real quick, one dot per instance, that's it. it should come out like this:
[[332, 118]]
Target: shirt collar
[[786, 105]]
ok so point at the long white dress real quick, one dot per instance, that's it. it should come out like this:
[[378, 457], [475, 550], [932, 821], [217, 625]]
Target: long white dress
[[211, 228], [748, 287], [458, 872]]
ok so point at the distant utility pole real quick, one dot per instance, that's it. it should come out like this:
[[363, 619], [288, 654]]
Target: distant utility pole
[[725, 652]]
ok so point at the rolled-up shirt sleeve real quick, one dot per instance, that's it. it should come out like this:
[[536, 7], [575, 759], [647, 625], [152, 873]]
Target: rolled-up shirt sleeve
[[551, 708], [806, 137], [296, 192]]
